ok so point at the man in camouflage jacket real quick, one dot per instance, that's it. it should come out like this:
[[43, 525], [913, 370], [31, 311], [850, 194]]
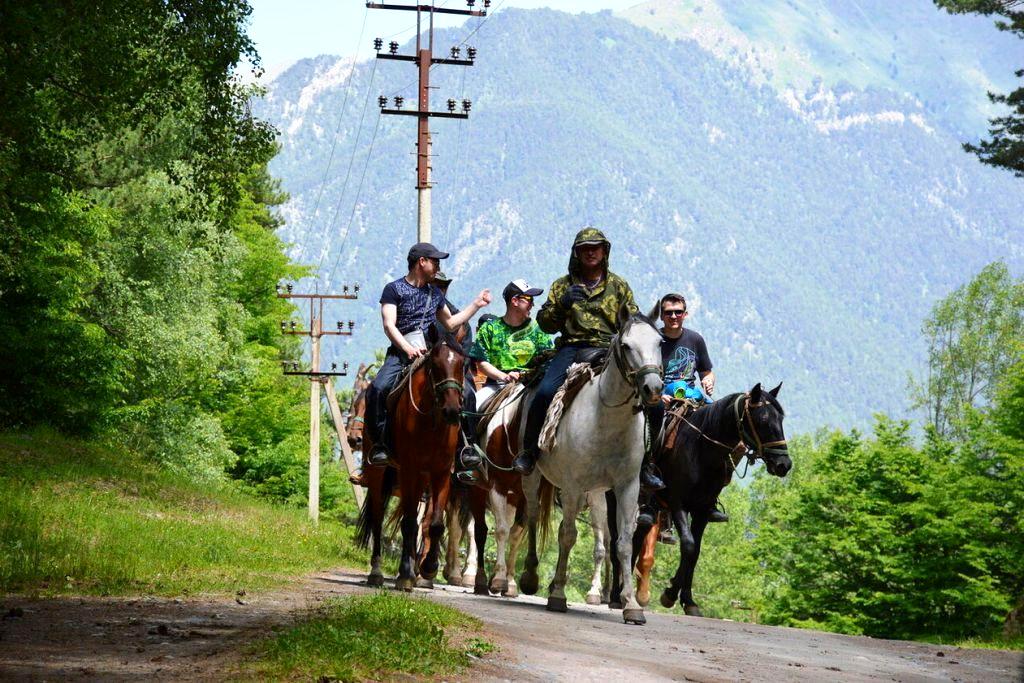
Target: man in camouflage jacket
[[582, 306]]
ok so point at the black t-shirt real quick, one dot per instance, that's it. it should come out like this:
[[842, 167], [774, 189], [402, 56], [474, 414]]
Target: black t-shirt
[[417, 307], [684, 357]]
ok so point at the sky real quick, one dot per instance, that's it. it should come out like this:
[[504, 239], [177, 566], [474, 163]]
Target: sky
[[289, 30]]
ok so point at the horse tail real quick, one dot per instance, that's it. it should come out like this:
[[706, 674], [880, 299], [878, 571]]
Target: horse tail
[[546, 500], [364, 525]]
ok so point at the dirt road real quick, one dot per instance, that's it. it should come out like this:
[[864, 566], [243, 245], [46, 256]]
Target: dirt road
[[111, 639]]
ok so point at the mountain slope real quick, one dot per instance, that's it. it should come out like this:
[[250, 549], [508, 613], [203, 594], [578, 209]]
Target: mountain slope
[[811, 237]]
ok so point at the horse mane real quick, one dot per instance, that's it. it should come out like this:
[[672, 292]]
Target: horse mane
[[447, 338]]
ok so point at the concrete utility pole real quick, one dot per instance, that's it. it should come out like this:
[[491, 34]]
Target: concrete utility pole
[[424, 59], [317, 378]]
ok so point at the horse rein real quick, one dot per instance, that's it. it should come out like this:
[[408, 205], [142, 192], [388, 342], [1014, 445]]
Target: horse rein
[[741, 446]]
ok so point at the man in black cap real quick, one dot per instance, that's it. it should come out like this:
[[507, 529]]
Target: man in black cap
[[408, 306]]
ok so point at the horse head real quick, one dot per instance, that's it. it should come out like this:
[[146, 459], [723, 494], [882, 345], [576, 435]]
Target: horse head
[[760, 428], [446, 371], [637, 351], [354, 425]]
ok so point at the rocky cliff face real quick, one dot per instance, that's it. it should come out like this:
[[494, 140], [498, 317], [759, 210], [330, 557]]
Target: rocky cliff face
[[811, 221]]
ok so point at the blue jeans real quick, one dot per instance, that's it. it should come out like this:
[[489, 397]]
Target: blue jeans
[[554, 376]]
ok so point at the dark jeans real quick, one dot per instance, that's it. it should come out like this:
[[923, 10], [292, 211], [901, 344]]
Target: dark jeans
[[554, 375], [384, 382], [377, 394]]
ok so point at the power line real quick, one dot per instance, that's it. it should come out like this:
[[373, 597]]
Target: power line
[[337, 128], [355, 203], [329, 233]]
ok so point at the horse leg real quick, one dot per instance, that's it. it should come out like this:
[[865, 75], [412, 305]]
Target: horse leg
[[529, 581], [625, 517], [480, 544], [453, 563], [515, 537], [469, 576], [410, 531], [598, 513], [671, 592], [440, 485], [566, 540], [645, 563], [697, 525], [500, 507], [615, 594]]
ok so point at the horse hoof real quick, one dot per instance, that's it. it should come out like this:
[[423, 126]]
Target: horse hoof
[[375, 580], [403, 584], [453, 579], [468, 580], [614, 604], [667, 600], [692, 611], [512, 592], [593, 599], [634, 616], [499, 585], [423, 582], [481, 590], [557, 605], [528, 584]]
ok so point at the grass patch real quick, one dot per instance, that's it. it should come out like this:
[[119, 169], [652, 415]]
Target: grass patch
[[77, 517], [371, 636]]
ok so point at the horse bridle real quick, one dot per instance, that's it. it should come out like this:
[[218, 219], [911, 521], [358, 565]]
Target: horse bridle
[[742, 446], [632, 377], [438, 387], [745, 436]]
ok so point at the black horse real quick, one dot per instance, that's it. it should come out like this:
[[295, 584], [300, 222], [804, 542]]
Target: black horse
[[707, 446]]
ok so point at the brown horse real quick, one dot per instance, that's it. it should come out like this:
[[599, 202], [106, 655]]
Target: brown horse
[[423, 414], [357, 411]]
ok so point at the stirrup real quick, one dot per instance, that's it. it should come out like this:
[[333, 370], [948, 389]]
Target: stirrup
[[470, 457], [644, 518], [379, 456], [649, 481]]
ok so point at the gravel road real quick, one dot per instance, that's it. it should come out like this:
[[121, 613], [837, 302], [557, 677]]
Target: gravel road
[[195, 639]]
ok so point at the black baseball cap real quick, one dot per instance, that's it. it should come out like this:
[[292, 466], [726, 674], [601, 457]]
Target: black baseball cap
[[426, 250], [520, 287]]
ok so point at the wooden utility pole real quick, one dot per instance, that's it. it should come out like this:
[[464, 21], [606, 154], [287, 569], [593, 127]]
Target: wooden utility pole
[[424, 59], [317, 378]]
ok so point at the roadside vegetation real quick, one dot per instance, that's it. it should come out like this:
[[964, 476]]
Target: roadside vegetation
[[371, 637], [77, 518]]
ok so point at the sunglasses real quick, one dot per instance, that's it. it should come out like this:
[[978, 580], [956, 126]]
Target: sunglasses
[[673, 314], [524, 297]]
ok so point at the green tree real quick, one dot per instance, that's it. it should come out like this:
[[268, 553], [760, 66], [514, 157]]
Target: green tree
[[1005, 148], [971, 337]]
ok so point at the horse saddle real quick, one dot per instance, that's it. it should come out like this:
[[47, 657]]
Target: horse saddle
[[593, 356], [578, 375], [402, 383], [678, 410]]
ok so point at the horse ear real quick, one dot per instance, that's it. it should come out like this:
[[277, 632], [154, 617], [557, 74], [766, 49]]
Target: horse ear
[[460, 334], [775, 392], [623, 316], [755, 393]]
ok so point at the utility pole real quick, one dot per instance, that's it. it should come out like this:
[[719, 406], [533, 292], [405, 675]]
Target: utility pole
[[315, 375], [424, 59]]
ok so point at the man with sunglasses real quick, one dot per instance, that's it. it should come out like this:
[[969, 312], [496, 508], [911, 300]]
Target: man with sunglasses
[[688, 374], [408, 307], [506, 345], [583, 307]]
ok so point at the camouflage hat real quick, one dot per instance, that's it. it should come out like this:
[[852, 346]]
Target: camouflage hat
[[590, 235]]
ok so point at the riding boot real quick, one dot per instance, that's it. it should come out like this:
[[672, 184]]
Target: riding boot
[[648, 510], [650, 478], [718, 514]]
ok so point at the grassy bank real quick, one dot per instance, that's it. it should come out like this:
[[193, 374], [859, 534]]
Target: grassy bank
[[78, 517], [371, 636]]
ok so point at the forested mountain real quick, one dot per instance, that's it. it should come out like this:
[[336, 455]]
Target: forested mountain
[[811, 222]]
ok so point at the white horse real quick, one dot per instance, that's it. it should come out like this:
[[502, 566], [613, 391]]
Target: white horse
[[599, 446]]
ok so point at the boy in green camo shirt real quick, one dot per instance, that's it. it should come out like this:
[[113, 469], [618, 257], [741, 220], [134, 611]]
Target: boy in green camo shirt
[[504, 346]]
